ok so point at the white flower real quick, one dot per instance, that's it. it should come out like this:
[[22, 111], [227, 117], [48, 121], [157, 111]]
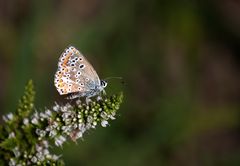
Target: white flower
[[45, 152], [56, 107], [10, 116], [75, 126], [40, 156], [66, 129], [39, 148], [104, 123], [59, 140], [66, 108], [112, 117], [11, 135], [4, 118], [25, 121], [42, 115], [34, 159], [89, 119], [79, 134], [16, 152], [52, 133], [104, 115], [78, 102], [88, 126], [81, 127], [41, 133], [67, 115], [45, 144], [55, 124], [48, 113], [34, 120], [12, 162], [55, 157]]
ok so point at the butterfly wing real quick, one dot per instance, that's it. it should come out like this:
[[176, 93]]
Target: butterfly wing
[[75, 73]]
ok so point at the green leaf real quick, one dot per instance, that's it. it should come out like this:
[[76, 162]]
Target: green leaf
[[8, 144], [26, 103]]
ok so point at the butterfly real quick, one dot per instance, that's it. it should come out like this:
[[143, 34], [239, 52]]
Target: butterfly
[[76, 76]]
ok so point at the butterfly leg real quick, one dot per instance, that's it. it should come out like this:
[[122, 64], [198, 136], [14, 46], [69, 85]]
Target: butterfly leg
[[88, 100], [104, 92], [73, 96], [99, 98], [78, 101]]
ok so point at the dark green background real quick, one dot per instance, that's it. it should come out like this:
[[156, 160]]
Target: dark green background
[[179, 60]]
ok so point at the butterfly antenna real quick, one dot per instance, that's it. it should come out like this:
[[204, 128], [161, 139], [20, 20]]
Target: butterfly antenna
[[113, 78], [120, 78]]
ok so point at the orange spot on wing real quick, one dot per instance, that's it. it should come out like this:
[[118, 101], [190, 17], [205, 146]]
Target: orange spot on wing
[[61, 85], [66, 59]]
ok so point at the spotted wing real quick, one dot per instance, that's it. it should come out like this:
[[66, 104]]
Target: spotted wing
[[75, 73]]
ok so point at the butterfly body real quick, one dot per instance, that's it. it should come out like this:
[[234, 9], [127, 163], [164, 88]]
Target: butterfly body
[[76, 76]]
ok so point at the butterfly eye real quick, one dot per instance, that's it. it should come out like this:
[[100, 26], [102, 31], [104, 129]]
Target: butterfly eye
[[80, 59], [77, 80], [103, 83], [78, 73], [87, 79], [82, 84], [76, 59], [72, 64], [79, 88]]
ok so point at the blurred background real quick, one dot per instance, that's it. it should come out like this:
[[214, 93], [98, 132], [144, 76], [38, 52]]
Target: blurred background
[[179, 60]]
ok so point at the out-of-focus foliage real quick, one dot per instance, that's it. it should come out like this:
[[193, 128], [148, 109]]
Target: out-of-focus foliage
[[180, 64]]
